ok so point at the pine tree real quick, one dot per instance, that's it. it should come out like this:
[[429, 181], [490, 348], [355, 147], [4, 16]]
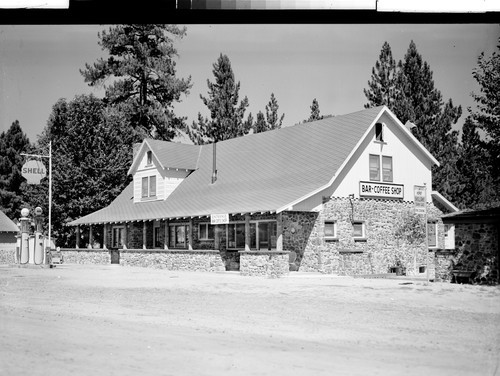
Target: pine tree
[[260, 124], [272, 114], [382, 86], [411, 95], [142, 69], [12, 144], [226, 114], [315, 114]]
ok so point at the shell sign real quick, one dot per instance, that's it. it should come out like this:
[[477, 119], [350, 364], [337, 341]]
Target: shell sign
[[33, 171]]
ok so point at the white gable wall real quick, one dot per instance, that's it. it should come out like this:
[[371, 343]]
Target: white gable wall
[[410, 167], [166, 179]]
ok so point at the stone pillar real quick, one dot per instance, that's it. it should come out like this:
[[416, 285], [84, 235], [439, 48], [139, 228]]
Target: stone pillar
[[247, 232], [77, 237], [190, 234], [279, 232], [144, 234], [167, 235], [91, 237]]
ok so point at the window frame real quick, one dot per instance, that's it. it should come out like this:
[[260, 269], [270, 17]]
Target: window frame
[[147, 184], [117, 243], [335, 234], [207, 226], [361, 237], [379, 132], [149, 158], [175, 244], [383, 169], [373, 157], [157, 235], [449, 236]]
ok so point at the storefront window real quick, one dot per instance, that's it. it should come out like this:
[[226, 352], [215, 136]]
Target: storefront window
[[262, 235], [206, 231], [156, 234]]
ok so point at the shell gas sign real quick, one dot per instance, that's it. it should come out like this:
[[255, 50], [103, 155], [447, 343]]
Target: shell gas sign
[[33, 171]]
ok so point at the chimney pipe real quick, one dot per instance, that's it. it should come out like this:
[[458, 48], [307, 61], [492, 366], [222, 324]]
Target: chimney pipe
[[214, 167]]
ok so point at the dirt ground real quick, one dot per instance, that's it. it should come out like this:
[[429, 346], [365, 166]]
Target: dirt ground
[[112, 320]]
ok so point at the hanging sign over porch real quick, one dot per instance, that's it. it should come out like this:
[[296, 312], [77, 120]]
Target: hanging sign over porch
[[420, 207], [219, 219], [33, 171], [370, 189]]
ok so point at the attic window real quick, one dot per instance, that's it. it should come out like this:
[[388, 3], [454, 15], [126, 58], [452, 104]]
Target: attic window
[[379, 132], [149, 158]]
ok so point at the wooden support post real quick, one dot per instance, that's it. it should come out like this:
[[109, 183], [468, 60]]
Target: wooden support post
[[279, 232], [144, 234], [190, 234], [247, 232], [105, 236], [77, 237], [125, 237], [91, 237], [167, 234]]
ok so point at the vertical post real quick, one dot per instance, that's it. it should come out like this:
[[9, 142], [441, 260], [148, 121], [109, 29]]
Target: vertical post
[[167, 235], [104, 236], [125, 236], [144, 234], [247, 232], [77, 237], [50, 200], [91, 237], [426, 236], [190, 234], [279, 232]]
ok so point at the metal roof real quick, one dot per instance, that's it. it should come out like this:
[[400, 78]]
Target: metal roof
[[6, 224], [255, 173]]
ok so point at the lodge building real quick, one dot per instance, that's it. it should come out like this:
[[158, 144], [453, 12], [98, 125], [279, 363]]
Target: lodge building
[[325, 196]]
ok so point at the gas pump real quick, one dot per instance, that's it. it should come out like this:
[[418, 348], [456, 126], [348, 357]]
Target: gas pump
[[38, 238], [24, 239]]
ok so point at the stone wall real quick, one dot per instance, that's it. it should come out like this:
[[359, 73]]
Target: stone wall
[[376, 253], [271, 264], [7, 255], [199, 260], [476, 250], [86, 256]]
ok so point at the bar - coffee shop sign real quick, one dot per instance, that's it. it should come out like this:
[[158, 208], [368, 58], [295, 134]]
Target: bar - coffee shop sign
[[386, 190]]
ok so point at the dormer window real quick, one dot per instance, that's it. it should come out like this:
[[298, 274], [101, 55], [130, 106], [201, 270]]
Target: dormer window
[[149, 158], [379, 132], [148, 187]]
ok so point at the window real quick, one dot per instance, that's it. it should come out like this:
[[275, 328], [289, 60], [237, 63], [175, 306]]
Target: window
[[358, 230], [432, 234], [117, 235], [206, 231], [149, 159], [148, 186], [449, 236], [379, 132], [263, 235], [330, 230], [374, 167], [386, 168], [156, 235], [178, 236], [236, 235]]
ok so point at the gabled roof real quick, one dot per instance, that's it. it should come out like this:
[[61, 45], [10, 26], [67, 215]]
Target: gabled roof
[[176, 155], [256, 173], [6, 224], [446, 203]]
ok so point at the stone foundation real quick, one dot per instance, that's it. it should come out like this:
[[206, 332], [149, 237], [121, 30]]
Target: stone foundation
[[272, 264], [197, 260], [7, 255], [86, 256]]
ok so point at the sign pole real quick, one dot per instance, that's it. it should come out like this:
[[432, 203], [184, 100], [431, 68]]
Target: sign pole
[[420, 200], [426, 236]]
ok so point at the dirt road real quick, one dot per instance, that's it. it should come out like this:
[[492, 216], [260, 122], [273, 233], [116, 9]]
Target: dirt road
[[112, 320]]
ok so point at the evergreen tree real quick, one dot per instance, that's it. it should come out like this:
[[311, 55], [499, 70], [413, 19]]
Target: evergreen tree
[[315, 114], [260, 124], [226, 114], [91, 154], [12, 144], [272, 114], [415, 98], [144, 83], [382, 86]]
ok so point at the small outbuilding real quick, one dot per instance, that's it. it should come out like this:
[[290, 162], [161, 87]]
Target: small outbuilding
[[8, 240], [475, 256]]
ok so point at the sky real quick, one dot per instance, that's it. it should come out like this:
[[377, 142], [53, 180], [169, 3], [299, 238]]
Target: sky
[[297, 62]]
